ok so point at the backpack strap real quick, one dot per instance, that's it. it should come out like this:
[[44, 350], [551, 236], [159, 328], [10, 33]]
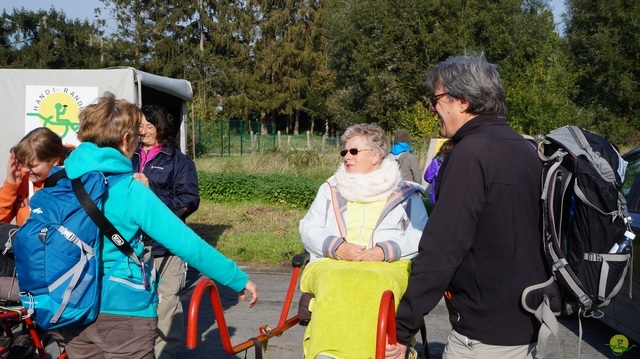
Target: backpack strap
[[53, 179], [543, 301], [106, 227], [621, 209], [426, 354]]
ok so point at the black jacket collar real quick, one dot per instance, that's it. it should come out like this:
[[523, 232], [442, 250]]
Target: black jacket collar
[[476, 123]]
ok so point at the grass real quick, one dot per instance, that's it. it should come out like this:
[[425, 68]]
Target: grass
[[252, 233], [307, 164], [249, 233]]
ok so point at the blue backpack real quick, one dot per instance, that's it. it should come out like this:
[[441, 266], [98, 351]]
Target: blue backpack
[[58, 249]]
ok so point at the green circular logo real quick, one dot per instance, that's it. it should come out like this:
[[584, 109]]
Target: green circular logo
[[619, 344]]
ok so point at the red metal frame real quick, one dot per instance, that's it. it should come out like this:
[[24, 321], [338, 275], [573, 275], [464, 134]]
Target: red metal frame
[[265, 331], [386, 323], [20, 315], [386, 329]]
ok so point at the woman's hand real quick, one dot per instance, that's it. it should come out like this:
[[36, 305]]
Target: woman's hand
[[375, 254], [349, 251], [14, 172], [253, 289], [140, 177]]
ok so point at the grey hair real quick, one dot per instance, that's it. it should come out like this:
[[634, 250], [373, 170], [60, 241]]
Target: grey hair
[[372, 132], [474, 79]]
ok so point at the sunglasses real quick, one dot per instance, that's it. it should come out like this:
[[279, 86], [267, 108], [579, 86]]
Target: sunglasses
[[435, 98], [352, 151]]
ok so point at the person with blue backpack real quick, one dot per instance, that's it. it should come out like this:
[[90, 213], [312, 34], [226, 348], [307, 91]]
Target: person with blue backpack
[[127, 321]]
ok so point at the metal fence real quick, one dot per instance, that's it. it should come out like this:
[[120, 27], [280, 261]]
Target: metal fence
[[232, 137], [239, 137]]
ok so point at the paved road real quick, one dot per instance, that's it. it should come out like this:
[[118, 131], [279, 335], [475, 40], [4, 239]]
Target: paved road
[[243, 324]]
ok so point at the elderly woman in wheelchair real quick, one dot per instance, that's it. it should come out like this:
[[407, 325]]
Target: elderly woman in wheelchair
[[361, 232]]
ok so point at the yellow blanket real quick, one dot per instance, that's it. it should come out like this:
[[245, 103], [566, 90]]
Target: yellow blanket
[[345, 309]]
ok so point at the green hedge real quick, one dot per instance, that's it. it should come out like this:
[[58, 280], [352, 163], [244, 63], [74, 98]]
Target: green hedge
[[276, 189]]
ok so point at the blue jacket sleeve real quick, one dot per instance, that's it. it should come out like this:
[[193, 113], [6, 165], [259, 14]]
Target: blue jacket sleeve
[[185, 186]]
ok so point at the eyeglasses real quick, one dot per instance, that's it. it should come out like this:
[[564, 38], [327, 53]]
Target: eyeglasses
[[435, 98], [352, 151], [138, 137]]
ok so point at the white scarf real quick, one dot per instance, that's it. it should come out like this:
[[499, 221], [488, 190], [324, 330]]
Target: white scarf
[[374, 186]]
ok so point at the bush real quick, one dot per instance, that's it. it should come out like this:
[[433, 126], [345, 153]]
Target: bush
[[284, 190]]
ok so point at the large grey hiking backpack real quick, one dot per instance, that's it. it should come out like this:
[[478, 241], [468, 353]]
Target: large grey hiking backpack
[[586, 227]]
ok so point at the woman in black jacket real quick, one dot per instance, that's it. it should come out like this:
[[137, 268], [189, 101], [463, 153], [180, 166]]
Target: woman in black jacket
[[172, 176]]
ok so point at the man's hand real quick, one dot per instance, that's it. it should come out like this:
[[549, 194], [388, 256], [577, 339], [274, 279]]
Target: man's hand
[[397, 351], [349, 251]]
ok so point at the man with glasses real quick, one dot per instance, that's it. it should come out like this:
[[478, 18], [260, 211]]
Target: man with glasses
[[481, 245]]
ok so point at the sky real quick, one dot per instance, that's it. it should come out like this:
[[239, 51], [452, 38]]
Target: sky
[[83, 9], [558, 8], [73, 9]]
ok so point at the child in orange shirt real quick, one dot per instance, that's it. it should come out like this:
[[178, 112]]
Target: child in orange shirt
[[30, 162]]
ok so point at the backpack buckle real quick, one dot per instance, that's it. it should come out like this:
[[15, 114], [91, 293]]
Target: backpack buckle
[[592, 257]]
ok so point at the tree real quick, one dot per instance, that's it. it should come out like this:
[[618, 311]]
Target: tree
[[379, 52], [48, 40], [382, 51], [132, 41], [604, 41], [287, 51], [224, 59], [538, 79]]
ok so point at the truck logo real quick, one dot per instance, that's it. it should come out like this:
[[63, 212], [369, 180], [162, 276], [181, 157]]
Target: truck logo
[[53, 113], [57, 108], [619, 344]]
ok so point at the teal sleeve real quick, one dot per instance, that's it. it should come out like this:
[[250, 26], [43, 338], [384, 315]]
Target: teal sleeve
[[157, 220]]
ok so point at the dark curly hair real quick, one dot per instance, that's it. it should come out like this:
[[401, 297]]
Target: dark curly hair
[[162, 120]]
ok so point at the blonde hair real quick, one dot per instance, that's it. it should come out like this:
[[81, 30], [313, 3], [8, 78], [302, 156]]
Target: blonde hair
[[372, 132], [41, 144], [105, 122]]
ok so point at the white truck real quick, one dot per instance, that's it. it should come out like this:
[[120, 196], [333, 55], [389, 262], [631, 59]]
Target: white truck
[[54, 98]]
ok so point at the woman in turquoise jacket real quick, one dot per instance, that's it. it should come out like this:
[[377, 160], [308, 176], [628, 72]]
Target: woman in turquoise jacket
[[126, 325]]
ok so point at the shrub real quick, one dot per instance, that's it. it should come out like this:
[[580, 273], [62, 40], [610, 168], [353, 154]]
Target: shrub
[[284, 190]]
